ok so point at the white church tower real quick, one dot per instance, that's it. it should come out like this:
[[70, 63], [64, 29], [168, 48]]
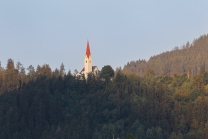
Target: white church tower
[[88, 65], [87, 61]]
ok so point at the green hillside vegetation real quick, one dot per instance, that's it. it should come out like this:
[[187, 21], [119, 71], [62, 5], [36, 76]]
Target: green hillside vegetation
[[188, 58], [46, 104]]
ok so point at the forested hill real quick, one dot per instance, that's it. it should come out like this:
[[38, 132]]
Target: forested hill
[[189, 57], [46, 104]]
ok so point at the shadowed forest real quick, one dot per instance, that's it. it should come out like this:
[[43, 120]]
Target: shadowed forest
[[46, 104]]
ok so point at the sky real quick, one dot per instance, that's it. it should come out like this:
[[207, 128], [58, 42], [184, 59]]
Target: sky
[[53, 32]]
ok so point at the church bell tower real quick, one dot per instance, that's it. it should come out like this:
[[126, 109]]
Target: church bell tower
[[87, 61]]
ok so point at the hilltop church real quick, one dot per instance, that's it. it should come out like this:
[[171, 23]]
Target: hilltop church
[[88, 68]]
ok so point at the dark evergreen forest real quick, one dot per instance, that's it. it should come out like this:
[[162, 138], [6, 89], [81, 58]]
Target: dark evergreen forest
[[50, 104], [190, 57], [46, 104]]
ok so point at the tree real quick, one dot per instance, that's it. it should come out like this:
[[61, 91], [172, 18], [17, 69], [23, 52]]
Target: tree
[[31, 71], [18, 66], [56, 73], [12, 80], [149, 72], [107, 73], [45, 70], [2, 80], [62, 70], [120, 79], [69, 72], [22, 70]]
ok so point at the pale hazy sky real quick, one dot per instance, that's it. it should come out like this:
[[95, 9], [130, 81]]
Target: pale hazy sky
[[55, 31]]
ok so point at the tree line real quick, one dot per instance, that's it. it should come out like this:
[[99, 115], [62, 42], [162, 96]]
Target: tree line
[[189, 58]]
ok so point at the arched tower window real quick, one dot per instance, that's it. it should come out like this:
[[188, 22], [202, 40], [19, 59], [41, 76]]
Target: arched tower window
[[86, 61]]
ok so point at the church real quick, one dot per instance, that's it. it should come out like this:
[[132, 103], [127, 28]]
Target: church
[[88, 68]]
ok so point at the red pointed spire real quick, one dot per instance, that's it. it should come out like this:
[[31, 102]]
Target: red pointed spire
[[88, 50]]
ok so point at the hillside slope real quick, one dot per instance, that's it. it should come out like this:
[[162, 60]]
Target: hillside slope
[[192, 57]]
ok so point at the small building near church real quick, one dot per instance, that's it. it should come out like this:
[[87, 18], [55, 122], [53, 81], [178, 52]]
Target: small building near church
[[88, 68]]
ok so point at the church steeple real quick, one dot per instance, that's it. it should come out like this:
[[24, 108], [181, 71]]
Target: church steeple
[[88, 50], [88, 68], [87, 61]]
